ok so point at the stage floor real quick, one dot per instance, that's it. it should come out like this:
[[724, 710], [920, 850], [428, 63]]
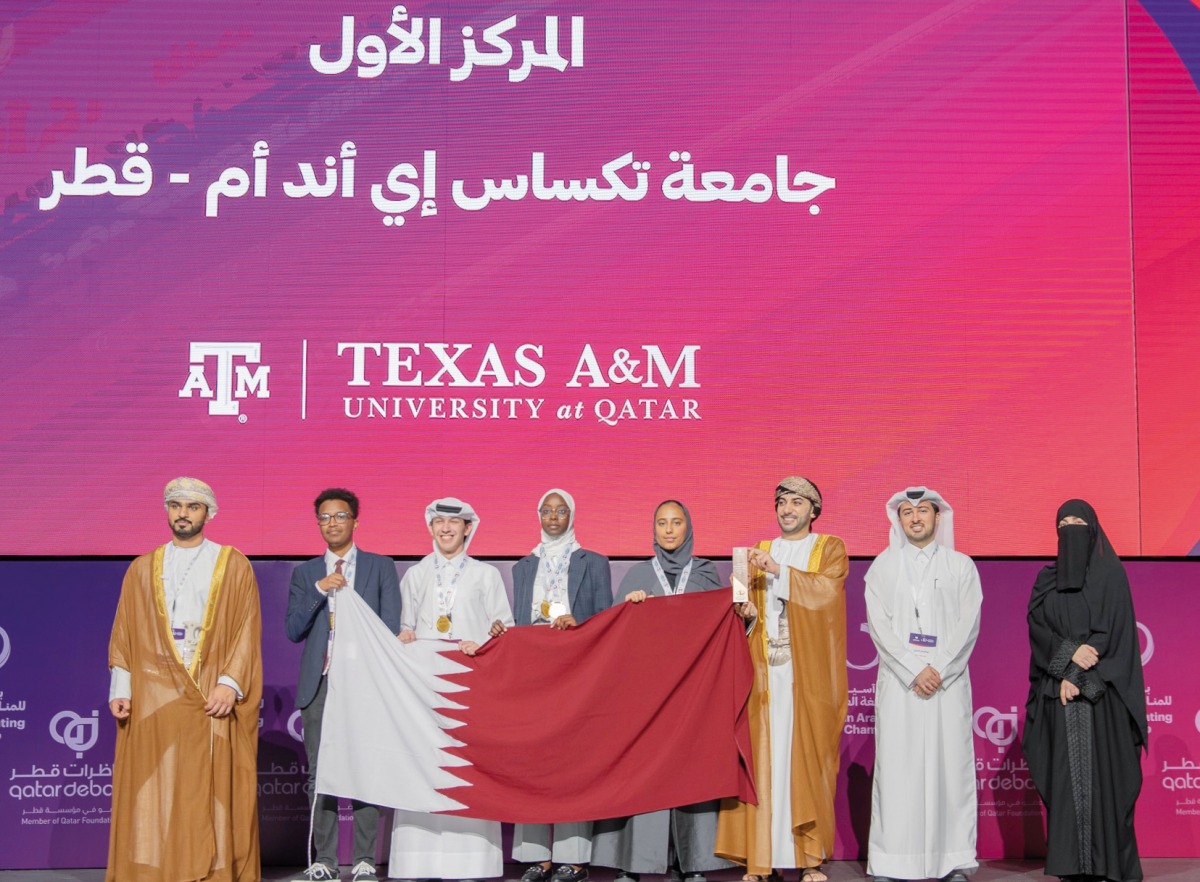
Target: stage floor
[[1157, 869]]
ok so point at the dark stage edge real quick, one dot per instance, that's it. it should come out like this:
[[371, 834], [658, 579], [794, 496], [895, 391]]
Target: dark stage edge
[[1158, 869]]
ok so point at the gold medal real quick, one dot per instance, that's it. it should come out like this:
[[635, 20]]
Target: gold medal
[[443, 624], [545, 609]]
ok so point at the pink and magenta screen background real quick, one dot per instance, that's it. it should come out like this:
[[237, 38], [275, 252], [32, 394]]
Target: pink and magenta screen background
[[997, 299]]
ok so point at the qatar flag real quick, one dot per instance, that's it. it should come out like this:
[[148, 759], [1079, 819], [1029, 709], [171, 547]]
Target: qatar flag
[[641, 708]]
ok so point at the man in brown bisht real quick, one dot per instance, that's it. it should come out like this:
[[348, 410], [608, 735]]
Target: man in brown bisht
[[797, 611], [186, 679]]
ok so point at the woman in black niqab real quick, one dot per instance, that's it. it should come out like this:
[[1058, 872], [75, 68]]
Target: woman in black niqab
[[1085, 719]]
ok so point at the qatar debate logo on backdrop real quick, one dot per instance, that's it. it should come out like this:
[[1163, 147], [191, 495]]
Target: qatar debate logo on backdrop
[[75, 732], [999, 728]]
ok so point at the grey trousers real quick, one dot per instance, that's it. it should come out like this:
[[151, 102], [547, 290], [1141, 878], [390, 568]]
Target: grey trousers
[[325, 814], [569, 843]]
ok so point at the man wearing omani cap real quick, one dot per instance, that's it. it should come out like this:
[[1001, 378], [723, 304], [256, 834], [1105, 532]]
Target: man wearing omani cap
[[923, 605], [449, 595], [186, 679], [797, 612]]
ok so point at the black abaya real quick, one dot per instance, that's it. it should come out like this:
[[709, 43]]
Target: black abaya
[[1085, 757]]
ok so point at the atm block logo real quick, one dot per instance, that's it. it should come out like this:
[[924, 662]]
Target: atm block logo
[[226, 374]]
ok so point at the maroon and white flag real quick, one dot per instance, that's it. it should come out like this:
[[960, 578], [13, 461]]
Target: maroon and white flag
[[641, 708]]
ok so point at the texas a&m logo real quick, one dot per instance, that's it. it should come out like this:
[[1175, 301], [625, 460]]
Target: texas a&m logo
[[234, 379]]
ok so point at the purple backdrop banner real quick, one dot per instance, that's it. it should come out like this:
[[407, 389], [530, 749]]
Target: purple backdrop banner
[[56, 736]]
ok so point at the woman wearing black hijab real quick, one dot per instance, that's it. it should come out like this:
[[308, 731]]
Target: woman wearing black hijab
[[673, 840], [1085, 719]]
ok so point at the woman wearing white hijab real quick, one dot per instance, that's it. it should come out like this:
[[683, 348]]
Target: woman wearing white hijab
[[560, 585]]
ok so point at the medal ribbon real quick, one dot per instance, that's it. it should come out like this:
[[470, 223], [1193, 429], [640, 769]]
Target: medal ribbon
[[555, 586], [445, 593], [680, 583]]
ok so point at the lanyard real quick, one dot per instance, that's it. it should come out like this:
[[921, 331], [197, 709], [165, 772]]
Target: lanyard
[[340, 568], [916, 586], [680, 583], [445, 593], [555, 587], [178, 583]]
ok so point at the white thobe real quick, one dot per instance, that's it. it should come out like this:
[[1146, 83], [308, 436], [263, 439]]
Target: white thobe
[[923, 802], [431, 846], [789, 554]]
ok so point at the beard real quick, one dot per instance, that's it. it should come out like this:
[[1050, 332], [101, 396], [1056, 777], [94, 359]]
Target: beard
[[799, 527], [186, 529]]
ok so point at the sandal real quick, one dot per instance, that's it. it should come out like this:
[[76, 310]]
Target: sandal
[[813, 874]]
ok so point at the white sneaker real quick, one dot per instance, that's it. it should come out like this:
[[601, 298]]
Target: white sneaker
[[363, 872], [318, 872]]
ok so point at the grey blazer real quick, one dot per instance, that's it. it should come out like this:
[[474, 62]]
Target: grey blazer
[[589, 586]]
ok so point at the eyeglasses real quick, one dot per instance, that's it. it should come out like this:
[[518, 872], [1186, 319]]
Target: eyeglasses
[[561, 512], [340, 516]]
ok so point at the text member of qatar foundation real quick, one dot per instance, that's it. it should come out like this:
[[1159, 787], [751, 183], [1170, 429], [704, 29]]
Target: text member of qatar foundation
[[186, 680], [923, 607], [680, 840], [559, 585], [311, 619], [449, 595], [1085, 719], [799, 698]]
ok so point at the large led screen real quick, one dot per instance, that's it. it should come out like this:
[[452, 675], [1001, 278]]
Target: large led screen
[[635, 250]]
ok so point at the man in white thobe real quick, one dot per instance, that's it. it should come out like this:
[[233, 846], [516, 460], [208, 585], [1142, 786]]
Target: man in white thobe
[[923, 605], [449, 595]]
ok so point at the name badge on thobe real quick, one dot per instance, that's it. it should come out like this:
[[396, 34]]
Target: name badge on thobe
[[922, 645], [191, 637], [178, 633]]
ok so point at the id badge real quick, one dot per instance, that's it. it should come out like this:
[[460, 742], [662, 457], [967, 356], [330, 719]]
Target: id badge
[[922, 645]]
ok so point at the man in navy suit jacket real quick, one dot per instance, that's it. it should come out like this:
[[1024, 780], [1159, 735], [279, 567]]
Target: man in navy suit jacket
[[373, 576]]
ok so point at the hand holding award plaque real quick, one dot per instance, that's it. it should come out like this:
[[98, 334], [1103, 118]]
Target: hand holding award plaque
[[740, 582], [740, 578]]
